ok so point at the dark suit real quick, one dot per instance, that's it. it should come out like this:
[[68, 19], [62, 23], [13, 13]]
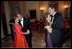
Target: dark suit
[[26, 25], [58, 30], [11, 27]]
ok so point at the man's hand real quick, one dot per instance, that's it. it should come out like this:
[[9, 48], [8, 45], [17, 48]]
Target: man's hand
[[28, 31]]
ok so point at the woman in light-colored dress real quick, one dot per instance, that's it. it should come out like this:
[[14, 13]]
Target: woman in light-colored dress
[[48, 30]]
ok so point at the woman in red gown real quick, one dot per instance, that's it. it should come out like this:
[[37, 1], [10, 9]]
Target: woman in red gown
[[20, 40]]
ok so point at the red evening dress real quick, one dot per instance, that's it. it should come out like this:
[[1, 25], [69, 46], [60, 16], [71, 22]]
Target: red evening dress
[[20, 40]]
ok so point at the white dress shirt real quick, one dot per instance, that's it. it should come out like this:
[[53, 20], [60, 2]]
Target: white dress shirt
[[23, 26], [21, 22]]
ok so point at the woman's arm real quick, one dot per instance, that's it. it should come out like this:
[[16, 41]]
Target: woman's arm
[[49, 28], [18, 30]]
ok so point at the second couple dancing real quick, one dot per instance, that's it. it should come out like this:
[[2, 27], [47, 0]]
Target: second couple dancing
[[54, 28]]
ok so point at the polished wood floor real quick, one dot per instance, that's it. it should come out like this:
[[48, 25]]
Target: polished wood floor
[[38, 41]]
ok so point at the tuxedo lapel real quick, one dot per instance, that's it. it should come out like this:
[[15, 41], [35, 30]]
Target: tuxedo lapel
[[55, 18]]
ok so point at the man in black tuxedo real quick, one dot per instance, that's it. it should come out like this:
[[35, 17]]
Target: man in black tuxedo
[[57, 27], [25, 26]]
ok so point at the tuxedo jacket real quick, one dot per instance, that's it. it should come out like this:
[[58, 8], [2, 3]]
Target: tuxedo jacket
[[26, 25], [57, 28]]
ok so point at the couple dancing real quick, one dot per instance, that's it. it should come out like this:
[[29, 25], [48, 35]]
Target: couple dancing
[[54, 27], [22, 38]]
